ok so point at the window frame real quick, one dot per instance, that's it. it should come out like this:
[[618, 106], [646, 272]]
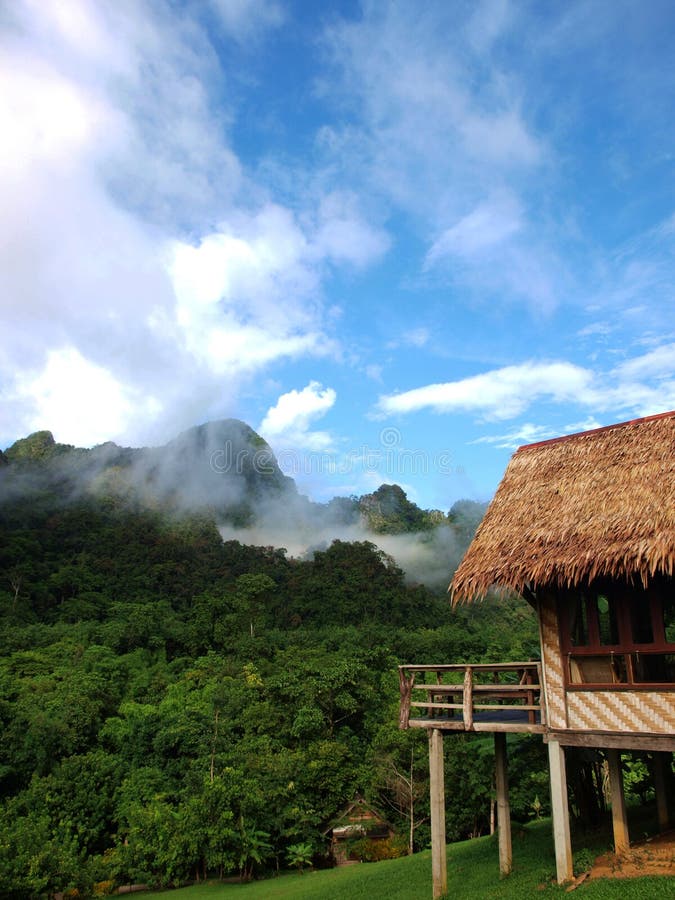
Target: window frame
[[626, 653]]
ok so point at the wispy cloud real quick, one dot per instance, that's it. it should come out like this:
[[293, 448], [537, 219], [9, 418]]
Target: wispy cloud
[[246, 19], [643, 385], [529, 433], [500, 394], [488, 225]]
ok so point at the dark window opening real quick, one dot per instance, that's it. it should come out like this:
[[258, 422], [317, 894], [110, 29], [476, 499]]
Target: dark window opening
[[669, 617], [608, 628], [641, 621], [653, 668], [579, 622]]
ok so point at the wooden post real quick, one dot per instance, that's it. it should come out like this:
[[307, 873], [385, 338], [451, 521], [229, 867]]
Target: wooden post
[[661, 771], [560, 811], [406, 683], [439, 870], [503, 806], [468, 699], [619, 820]]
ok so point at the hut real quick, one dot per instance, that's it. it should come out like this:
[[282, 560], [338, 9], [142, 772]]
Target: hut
[[583, 526], [358, 820]]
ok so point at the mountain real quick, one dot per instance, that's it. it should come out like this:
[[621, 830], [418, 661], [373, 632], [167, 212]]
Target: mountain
[[223, 466], [226, 471]]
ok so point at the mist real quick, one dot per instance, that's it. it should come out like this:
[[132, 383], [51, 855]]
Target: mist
[[224, 469], [301, 527]]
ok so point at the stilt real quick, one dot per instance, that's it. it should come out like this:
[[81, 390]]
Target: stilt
[[619, 820], [437, 791], [661, 771], [503, 806], [560, 811]]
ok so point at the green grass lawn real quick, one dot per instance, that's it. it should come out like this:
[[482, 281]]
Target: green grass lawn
[[473, 874]]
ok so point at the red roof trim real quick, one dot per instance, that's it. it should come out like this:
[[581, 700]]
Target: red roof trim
[[569, 437]]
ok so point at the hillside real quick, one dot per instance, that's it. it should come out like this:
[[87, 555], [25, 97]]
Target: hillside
[[473, 874], [222, 466], [176, 706], [227, 472]]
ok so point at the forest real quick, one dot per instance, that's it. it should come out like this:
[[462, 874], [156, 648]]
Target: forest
[[177, 706]]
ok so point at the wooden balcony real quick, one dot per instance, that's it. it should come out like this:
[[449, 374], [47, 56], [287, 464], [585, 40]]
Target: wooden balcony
[[484, 697]]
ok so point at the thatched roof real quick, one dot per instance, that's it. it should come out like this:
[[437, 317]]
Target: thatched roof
[[598, 503]]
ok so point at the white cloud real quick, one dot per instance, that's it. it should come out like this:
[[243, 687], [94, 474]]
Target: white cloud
[[492, 250], [658, 363], [342, 235], [529, 433], [449, 126], [452, 141], [129, 232], [245, 19], [500, 394], [489, 224], [256, 263], [287, 424], [641, 386], [78, 400], [419, 336]]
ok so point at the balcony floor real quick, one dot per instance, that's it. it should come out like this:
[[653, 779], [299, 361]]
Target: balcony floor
[[509, 720]]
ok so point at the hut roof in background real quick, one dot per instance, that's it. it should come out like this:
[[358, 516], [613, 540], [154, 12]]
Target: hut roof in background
[[598, 503]]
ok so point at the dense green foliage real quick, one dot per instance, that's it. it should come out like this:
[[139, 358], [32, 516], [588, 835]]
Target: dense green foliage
[[175, 706]]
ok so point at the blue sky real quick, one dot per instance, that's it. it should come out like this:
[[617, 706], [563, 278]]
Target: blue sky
[[397, 239]]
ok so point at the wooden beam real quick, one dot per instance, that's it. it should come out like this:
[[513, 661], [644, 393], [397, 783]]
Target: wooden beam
[[503, 806], [560, 811], [620, 741], [619, 820], [439, 871]]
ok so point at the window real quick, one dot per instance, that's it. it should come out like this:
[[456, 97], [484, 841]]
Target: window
[[578, 622], [669, 617], [641, 622], [608, 628], [619, 634]]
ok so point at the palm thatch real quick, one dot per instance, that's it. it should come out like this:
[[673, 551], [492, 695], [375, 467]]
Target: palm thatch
[[598, 503]]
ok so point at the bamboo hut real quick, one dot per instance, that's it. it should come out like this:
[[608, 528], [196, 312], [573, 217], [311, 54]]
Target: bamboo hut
[[583, 526]]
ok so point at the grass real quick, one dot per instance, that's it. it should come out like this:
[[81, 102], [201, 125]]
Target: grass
[[473, 874]]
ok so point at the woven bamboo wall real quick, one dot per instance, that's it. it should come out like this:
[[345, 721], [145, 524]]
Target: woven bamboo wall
[[552, 663], [637, 712]]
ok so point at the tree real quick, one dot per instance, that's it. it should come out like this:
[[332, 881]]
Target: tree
[[251, 592], [300, 855]]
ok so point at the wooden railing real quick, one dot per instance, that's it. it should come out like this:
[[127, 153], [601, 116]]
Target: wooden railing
[[481, 697]]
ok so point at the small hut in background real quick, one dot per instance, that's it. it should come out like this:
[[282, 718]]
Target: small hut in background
[[357, 821], [583, 526]]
